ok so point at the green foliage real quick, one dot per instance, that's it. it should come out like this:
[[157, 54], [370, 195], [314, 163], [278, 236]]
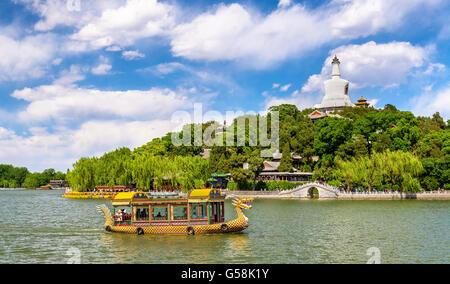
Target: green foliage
[[430, 183], [286, 160], [255, 166], [435, 144], [237, 171], [435, 170], [331, 133], [12, 177], [393, 168], [144, 169]]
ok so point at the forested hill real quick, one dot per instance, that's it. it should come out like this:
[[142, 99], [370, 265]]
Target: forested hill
[[384, 133], [374, 139]]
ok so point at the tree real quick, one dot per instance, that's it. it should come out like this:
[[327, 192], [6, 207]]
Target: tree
[[396, 168], [390, 108], [435, 170], [237, 171], [255, 166], [286, 160], [331, 133], [434, 145], [353, 148], [439, 120], [401, 168], [368, 171], [346, 171], [430, 183], [34, 180], [83, 175]]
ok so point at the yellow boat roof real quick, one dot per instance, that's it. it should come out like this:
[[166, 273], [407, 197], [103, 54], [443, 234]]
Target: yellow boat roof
[[205, 193], [123, 198]]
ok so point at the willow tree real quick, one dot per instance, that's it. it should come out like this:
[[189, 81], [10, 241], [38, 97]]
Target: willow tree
[[368, 170], [82, 176], [345, 170], [401, 168]]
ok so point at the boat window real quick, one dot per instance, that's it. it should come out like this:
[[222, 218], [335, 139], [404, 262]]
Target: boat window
[[179, 212], [141, 214], [159, 213], [198, 211]]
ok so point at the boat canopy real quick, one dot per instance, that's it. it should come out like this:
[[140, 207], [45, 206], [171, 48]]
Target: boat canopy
[[205, 194], [125, 198]]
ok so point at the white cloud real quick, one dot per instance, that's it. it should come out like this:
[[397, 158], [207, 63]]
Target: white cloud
[[429, 103], [284, 3], [56, 13], [233, 32], [122, 26], [57, 61], [6, 134], [434, 67], [28, 57], [373, 102], [103, 68], [373, 64], [165, 68], [70, 103], [285, 87], [301, 100], [74, 74], [62, 148], [200, 78], [132, 55], [113, 48]]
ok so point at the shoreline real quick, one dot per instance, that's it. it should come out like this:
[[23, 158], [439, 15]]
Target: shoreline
[[345, 196], [342, 196]]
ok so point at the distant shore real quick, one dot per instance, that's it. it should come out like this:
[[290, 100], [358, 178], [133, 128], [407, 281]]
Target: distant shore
[[42, 189], [348, 196], [435, 195]]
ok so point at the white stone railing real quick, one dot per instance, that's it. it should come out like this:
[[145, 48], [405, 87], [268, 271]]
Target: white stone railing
[[392, 192]]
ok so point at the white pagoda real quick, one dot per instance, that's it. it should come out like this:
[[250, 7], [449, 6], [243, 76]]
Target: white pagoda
[[336, 91]]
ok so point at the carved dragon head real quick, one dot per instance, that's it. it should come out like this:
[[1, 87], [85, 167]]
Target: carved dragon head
[[242, 202], [102, 209]]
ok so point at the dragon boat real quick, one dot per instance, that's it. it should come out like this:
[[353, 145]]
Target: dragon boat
[[201, 212]]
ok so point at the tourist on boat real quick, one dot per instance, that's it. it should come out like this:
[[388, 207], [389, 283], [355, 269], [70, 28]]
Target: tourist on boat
[[119, 216]]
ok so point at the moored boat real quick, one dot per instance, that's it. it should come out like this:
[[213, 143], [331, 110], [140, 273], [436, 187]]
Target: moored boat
[[100, 192], [201, 212]]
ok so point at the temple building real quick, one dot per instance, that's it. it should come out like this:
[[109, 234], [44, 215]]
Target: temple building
[[336, 91], [271, 173], [362, 102], [316, 115]]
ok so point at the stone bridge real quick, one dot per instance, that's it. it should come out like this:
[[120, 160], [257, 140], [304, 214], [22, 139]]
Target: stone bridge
[[306, 191]]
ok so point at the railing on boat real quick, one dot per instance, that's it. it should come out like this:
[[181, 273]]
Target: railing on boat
[[122, 219]]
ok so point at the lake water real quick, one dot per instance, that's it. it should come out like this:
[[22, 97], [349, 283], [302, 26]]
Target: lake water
[[42, 227]]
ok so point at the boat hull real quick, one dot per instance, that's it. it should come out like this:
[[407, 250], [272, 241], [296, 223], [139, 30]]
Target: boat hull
[[234, 226]]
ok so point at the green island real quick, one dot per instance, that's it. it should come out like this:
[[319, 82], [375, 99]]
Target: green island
[[358, 148]]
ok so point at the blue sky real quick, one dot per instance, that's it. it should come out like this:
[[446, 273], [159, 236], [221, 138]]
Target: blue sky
[[82, 77]]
